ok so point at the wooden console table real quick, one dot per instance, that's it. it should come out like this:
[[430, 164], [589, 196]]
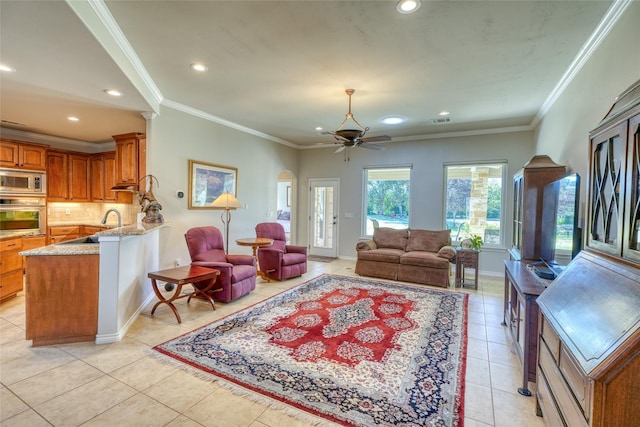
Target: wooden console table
[[521, 288], [183, 276]]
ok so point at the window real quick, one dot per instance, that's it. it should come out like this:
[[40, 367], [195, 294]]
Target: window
[[474, 201], [386, 198]]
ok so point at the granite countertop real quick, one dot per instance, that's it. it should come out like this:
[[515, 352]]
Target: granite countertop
[[6, 234], [94, 248]]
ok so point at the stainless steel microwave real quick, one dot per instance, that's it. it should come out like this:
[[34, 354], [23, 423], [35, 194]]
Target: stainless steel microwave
[[22, 182]]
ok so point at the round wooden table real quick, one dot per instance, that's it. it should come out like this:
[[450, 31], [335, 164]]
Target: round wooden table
[[255, 243]]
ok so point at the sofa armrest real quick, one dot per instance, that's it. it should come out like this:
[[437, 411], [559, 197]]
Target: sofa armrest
[[366, 245], [241, 259], [448, 252], [296, 249]]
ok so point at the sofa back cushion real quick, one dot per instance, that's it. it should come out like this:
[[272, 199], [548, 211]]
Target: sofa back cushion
[[428, 240], [385, 237]]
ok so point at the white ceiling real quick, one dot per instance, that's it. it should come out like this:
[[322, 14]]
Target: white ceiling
[[280, 68]]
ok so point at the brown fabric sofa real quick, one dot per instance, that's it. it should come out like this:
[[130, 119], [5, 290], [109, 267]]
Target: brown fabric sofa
[[418, 256]]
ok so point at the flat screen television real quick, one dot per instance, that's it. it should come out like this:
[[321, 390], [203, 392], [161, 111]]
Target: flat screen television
[[561, 236]]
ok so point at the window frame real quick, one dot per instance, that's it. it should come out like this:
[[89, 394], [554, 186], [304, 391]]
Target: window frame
[[365, 193], [503, 195]]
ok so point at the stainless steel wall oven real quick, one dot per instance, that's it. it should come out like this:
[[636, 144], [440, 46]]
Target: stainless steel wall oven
[[27, 215]]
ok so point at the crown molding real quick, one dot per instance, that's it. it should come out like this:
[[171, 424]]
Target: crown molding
[[618, 7]]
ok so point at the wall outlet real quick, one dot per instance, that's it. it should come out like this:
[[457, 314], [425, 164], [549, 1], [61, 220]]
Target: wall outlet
[[67, 211], [178, 263]]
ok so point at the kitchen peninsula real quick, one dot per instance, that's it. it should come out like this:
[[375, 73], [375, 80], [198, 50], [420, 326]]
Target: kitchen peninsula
[[82, 290]]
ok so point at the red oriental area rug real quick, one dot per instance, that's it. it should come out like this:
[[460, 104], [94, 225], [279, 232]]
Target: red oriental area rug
[[355, 351]]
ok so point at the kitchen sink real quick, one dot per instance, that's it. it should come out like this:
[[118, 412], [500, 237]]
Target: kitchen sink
[[81, 240]]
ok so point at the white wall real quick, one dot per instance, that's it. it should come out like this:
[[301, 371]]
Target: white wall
[[427, 197], [563, 133], [174, 137]]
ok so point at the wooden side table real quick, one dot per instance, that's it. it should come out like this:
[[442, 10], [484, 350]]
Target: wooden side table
[[255, 243], [466, 259], [183, 276]]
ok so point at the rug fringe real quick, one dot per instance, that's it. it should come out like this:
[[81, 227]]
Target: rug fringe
[[253, 396]]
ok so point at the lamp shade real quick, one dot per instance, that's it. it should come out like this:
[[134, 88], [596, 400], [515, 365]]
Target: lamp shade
[[226, 201]]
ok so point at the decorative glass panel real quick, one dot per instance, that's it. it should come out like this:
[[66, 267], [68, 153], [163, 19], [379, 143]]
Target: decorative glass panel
[[605, 210]]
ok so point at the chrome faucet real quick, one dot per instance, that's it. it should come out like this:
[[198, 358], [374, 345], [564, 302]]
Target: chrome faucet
[[104, 219]]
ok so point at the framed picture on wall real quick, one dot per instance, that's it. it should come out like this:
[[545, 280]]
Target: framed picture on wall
[[207, 181]]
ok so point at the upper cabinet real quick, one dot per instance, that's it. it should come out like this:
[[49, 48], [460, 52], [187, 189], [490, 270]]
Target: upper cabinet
[[19, 155], [614, 180], [68, 176], [103, 178], [528, 186], [131, 155]]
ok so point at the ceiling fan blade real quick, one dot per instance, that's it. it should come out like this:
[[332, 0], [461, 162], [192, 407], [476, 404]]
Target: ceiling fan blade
[[340, 149], [371, 146], [381, 138]]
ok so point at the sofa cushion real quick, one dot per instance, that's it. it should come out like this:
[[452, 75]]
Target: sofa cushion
[[381, 255], [386, 237], [424, 259], [428, 240]]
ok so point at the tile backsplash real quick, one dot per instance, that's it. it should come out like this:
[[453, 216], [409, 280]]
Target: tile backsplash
[[90, 213]]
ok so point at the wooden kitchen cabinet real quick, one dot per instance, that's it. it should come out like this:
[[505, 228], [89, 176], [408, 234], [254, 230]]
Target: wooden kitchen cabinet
[[11, 271], [19, 155], [68, 176], [103, 178], [528, 186], [90, 230], [131, 155], [61, 298], [62, 233]]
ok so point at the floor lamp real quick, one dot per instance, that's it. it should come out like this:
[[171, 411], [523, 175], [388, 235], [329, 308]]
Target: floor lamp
[[226, 201]]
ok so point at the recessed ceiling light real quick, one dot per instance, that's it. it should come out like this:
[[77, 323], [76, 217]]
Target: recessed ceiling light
[[318, 128], [444, 113], [6, 68], [197, 66], [408, 6], [113, 92], [73, 119], [393, 120]]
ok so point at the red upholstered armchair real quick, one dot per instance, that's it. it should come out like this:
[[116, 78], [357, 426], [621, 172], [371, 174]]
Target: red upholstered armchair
[[280, 261], [237, 272]]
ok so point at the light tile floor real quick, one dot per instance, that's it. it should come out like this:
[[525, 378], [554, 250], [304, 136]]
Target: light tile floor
[[120, 385]]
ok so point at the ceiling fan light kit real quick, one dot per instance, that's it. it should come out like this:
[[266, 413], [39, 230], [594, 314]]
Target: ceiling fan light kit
[[349, 138]]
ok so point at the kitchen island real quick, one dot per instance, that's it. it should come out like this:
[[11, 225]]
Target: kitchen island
[[116, 266]]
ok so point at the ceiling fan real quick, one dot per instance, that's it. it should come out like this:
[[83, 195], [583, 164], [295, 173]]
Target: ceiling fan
[[350, 138]]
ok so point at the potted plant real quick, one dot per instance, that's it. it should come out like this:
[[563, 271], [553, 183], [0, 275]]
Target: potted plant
[[476, 242]]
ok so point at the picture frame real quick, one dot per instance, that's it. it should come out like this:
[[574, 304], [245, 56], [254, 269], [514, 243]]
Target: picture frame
[[288, 196], [207, 181]]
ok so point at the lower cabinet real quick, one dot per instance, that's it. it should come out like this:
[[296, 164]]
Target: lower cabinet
[[62, 233], [61, 298], [10, 268]]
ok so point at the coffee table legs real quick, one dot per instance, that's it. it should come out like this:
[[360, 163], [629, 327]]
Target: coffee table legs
[[162, 300], [198, 293]]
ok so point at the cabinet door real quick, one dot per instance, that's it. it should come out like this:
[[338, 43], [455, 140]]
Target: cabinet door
[[97, 178], [631, 249], [127, 161], [33, 157], [57, 176], [79, 178], [517, 212], [9, 154], [608, 151]]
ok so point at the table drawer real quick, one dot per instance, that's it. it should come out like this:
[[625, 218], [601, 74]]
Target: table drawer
[[577, 380], [551, 339], [550, 413], [571, 412]]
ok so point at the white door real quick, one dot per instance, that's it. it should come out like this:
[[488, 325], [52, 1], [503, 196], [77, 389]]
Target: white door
[[323, 217]]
